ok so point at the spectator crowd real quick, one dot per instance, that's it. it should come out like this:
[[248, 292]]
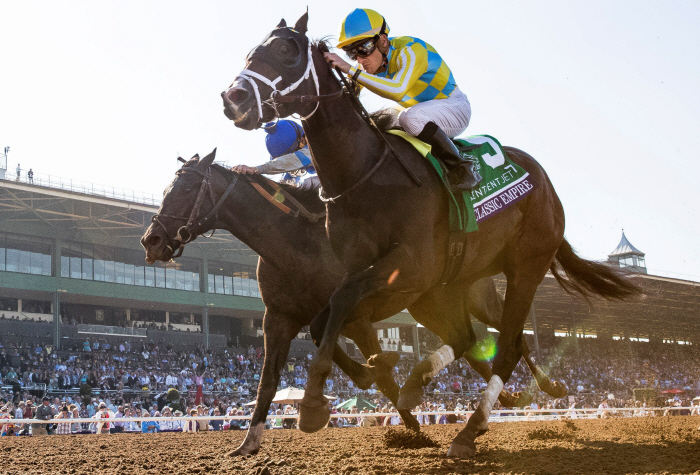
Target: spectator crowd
[[115, 381]]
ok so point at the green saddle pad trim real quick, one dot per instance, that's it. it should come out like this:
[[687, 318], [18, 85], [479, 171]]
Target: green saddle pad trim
[[461, 208]]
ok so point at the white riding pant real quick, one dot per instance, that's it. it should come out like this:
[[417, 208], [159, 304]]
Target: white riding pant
[[452, 115]]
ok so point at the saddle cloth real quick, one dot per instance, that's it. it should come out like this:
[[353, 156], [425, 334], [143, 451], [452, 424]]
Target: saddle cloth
[[503, 182]]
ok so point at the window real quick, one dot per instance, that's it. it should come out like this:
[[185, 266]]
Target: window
[[25, 254], [121, 266], [232, 279]]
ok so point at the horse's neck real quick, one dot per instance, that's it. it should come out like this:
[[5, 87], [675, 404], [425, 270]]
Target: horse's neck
[[254, 221], [343, 146]]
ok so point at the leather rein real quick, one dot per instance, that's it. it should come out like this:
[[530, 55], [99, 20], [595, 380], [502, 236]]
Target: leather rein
[[188, 232]]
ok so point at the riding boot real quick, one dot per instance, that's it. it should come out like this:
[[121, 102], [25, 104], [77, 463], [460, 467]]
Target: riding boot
[[460, 172]]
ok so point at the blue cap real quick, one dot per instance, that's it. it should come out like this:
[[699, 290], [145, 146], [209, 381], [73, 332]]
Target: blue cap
[[283, 137]]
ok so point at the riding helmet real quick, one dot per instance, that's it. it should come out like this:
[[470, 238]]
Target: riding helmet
[[360, 24], [282, 137]]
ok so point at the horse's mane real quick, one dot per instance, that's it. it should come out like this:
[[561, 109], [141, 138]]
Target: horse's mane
[[308, 198]]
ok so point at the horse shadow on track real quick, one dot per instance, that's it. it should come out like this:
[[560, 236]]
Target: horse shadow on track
[[595, 457]]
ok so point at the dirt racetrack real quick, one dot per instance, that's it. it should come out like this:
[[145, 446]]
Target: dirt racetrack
[[614, 446]]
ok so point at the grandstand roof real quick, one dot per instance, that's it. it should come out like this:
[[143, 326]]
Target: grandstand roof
[[668, 309], [625, 247], [26, 208]]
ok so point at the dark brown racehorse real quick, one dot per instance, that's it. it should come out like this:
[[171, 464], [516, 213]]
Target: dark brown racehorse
[[391, 235], [297, 274]]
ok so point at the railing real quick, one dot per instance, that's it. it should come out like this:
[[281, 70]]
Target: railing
[[77, 186], [492, 418], [111, 330]]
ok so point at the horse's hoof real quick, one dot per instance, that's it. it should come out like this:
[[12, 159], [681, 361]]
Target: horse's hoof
[[522, 399], [243, 451], [409, 398], [410, 421], [558, 390], [507, 399], [388, 359], [313, 418], [460, 450]]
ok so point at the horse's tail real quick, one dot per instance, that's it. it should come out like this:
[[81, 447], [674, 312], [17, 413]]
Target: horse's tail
[[590, 279]]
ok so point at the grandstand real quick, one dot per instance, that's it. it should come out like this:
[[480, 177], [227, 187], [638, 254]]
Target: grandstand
[[72, 251]]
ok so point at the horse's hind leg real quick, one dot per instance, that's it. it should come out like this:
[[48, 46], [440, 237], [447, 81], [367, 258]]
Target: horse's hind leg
[[555, 389], [279, 332], [486, 305], [506, 398], [522, 284]]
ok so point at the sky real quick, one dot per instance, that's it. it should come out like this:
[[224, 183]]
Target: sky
[[604, 94]]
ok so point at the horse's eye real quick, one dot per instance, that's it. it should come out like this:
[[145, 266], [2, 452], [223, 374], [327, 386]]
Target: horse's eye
[[285, 50], [187, 190]]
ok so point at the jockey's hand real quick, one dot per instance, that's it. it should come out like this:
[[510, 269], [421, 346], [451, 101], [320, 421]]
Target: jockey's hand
[[245, 170], [336, 61]]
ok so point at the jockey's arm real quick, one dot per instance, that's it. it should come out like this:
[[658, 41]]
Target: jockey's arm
[[284, 163], [412, 64]]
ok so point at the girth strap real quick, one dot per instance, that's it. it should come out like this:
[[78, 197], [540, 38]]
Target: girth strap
[[455, 256]]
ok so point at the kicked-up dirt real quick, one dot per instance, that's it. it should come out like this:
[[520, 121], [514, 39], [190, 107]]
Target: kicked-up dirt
[[614, 446]]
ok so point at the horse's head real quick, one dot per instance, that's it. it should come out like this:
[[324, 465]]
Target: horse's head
[[180, 219], [282, 63]]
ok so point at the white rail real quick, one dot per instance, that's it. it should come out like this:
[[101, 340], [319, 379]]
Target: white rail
[[541, 412]]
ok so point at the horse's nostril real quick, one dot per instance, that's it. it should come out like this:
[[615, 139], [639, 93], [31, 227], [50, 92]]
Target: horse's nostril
[[153, 241], [237, 95]]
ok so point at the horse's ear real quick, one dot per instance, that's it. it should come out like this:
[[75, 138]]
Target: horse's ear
[[195, 157], [207, 161], [282, 24], [302, 23]]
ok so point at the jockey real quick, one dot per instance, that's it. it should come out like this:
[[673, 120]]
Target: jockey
[[289, 154], [411, 72]]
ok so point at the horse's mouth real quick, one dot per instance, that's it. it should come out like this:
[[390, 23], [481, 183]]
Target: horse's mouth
[[164, 254]]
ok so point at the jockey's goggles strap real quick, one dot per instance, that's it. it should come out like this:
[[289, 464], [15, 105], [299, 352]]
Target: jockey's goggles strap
[[249, 76]]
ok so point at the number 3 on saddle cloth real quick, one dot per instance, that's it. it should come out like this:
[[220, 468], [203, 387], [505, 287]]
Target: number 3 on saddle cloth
[[503, 184]]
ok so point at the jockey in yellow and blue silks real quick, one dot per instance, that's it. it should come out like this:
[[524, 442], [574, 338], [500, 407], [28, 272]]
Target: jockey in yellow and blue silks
[[289, 154], [411, 72]]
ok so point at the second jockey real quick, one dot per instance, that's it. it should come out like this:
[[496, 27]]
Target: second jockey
[[411, 72], [289, 154]]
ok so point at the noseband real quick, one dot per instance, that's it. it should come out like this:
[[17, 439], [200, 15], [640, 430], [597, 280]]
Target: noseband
[[188, 232]]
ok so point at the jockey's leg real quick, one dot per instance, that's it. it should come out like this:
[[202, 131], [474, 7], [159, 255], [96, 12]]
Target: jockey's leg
[[434, 122]]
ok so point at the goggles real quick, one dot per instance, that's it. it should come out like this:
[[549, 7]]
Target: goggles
[[363, 49]]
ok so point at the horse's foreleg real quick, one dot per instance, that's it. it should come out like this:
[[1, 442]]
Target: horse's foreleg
[[382, 364], [362, 375], [442, 311], [279, 332], [313, 409]]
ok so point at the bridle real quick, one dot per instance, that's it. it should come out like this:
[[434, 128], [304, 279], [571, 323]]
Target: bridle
[[188, 232], [278, 97]]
